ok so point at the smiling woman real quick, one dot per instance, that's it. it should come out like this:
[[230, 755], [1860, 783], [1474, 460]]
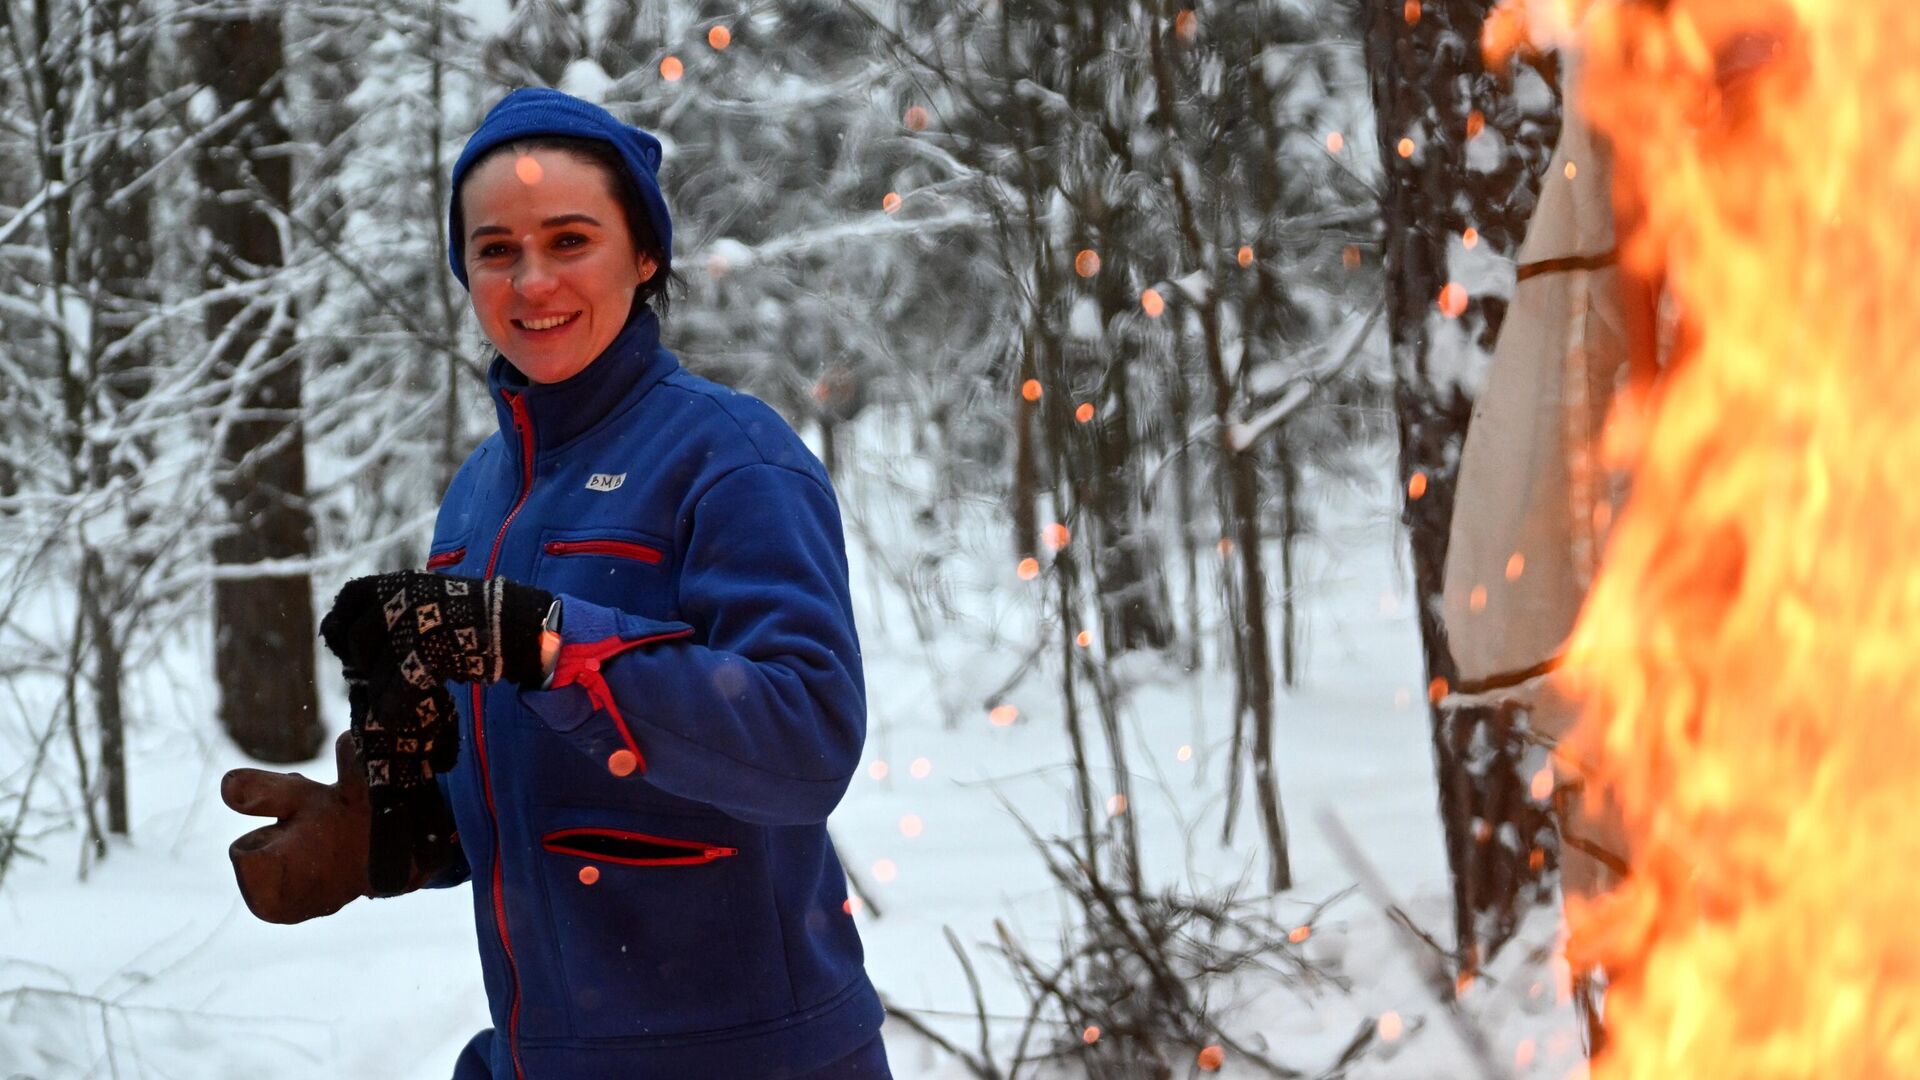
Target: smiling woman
[[629, 692], [551, 263]]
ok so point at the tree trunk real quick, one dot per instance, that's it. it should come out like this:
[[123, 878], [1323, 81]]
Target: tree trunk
[[116, 245], [263, 624], [1026, 472], [1429, 88]]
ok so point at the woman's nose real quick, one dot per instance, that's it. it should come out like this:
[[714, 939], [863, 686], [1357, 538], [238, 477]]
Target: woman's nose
[[535, 279]]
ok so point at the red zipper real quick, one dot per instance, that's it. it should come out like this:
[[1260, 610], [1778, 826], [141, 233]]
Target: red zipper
[[621, 548], [524, 426], [697, 853], [446, 558], [579, 663]]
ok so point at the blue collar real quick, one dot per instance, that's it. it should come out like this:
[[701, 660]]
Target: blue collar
[[564, 411]]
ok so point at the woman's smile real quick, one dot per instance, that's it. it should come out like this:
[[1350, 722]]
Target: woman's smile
[[546, 323]]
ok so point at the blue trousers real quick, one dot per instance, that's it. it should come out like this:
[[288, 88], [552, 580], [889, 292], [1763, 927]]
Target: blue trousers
[[867, 1063]]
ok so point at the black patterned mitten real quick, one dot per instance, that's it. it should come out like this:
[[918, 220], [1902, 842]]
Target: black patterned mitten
[[437, 627], [406, 735]]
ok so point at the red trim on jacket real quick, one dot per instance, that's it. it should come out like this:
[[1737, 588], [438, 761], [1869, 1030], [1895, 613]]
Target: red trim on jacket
[[523, 424], [446, 558], [625, 549], [697, 852], [579, 663]]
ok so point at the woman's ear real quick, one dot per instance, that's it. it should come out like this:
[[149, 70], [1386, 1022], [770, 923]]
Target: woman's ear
[[646, 266]]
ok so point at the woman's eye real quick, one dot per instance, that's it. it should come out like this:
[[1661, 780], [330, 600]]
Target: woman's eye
[[569, 240], [493, 251]]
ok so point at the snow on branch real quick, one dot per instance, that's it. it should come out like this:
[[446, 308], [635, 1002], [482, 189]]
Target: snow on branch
[[1244, 434]]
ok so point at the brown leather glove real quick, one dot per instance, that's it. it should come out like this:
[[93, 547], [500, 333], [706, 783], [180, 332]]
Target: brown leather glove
[[313, 861]]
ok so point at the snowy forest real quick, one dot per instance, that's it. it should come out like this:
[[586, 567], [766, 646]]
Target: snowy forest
[[1140, 339]]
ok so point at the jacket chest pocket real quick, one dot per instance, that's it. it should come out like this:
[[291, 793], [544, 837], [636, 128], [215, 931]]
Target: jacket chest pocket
[[619, 568]]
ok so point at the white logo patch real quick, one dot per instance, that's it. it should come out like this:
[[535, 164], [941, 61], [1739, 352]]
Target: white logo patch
[[605, 481]]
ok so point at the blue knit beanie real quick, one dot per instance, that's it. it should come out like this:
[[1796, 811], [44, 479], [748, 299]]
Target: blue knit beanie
[[538, 111]]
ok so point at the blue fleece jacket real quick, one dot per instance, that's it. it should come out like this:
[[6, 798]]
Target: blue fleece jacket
[[655, 891]]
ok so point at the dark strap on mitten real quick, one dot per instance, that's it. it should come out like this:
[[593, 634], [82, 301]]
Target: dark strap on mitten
[[406, 735]]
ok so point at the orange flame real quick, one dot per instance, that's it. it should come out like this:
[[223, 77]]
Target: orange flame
[[1746, 658]]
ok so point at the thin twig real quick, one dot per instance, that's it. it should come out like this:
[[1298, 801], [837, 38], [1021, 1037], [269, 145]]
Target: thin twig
[[1420, 948], [905, 1016]]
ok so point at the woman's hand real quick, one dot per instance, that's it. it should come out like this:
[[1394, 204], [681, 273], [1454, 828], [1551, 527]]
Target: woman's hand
[[435, 627]]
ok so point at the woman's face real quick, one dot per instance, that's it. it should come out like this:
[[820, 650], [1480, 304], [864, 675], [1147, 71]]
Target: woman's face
[[550, 264]]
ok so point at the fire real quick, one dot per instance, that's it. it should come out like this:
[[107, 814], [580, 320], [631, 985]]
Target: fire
[[1746, 658]]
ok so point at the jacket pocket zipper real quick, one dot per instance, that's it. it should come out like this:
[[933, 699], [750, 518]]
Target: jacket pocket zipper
[[446, 558], [624, 549], [632, 848]]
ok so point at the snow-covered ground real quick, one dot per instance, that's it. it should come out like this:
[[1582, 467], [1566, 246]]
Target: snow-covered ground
[[153, 967]]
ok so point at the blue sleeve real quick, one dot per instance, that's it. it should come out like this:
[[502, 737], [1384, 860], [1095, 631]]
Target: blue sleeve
[[756, 703]]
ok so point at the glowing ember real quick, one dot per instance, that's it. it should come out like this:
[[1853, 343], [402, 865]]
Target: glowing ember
[[1185, 753], [1003, 715], [877, 770], [1116, 805], [1091, 1035], [1028, 569], [1245, 257], [890, 202], [1084, 413], [1055, 536], [1186, 24], [1406, 148], [1477, 599], [920, 769], [671, 69], [1152, 303], [852, 905], [1211, 1058], [1437, 689], [1300, 933], [1336, 142], [719, 37], [1087, 263], [916, 118], [589, 875], [528, 169], [1516, 565], [1083, 639], [1453, 300], [1572, 170], [1411, 12], [911, 826], [1470, 239], [1350, 256], [1476, 123], [1746, 657], [1390, 1026], [1030, 390], [622, 763], [885, 871], [1416, 485]]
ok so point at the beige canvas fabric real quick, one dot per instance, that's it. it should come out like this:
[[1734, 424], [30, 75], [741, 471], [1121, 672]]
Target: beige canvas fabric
[[1529, 480]]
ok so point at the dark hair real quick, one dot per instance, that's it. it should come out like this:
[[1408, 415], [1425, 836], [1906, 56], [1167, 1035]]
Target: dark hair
[[621, 186]]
